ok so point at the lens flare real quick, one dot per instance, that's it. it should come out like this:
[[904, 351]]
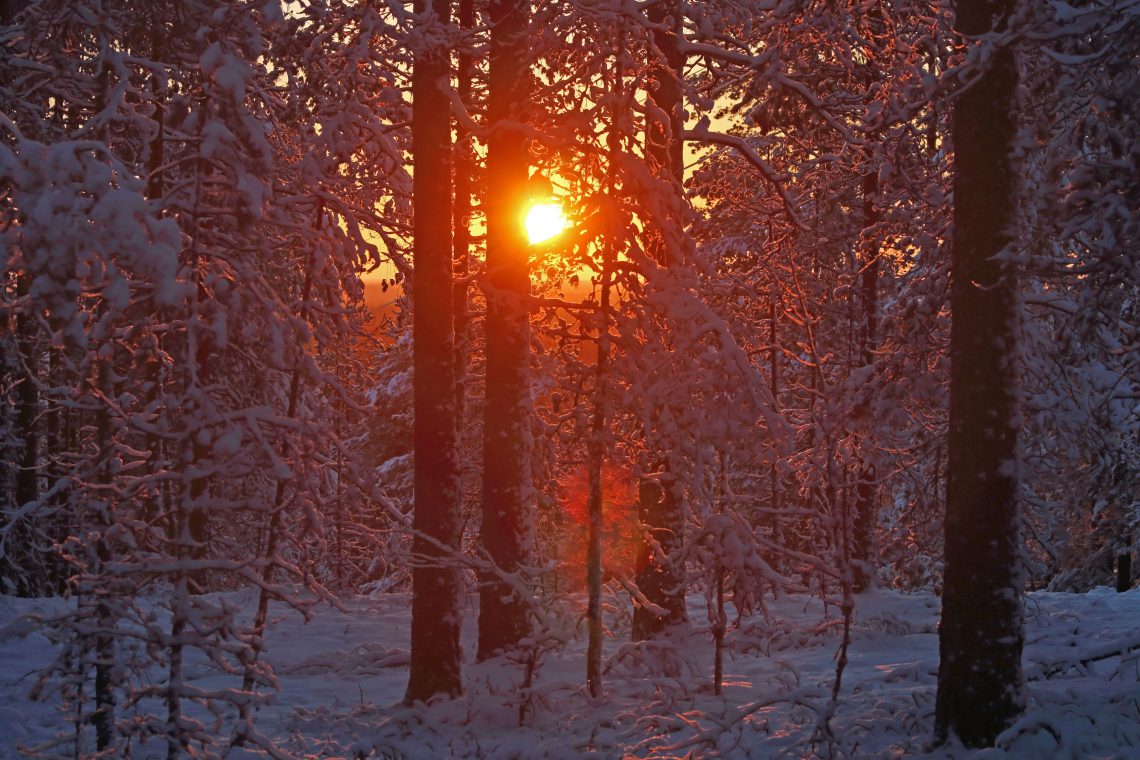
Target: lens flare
[[544, 221]]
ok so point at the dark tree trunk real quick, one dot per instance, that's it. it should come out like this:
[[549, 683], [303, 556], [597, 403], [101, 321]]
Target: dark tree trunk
[[773, 520], [27, 408], [57, 440], [461, 217], [597, 452], [27, 431], [865, 490], [719, 628], [657, 579], [659, 506], [156, 149], [506, 531], [189, 520], [198, 488], [104, 716], [273, 526], [1123, 572], [980, 680], [597, 446], [663, 138], [436, 654]]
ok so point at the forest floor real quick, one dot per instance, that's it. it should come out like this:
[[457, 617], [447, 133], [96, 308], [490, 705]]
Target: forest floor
[[342, 676]]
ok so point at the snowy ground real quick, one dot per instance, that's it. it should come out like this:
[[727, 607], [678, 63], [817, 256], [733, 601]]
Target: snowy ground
[[343, 675]]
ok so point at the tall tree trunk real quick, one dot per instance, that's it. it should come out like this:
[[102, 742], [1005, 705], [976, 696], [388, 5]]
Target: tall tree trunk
[[187, 523], [660, 506], [273, 526], [507, 529], [660, 515], [189, 519], [8, 571], [26, 428], [1123, 571], [663, 138], [436, 654], [56, 442], [13, 459], [865, 490], [461, 215], [105, 655], [980, 680], [597, 447], [198, 486], [777, 528], [597, 452]]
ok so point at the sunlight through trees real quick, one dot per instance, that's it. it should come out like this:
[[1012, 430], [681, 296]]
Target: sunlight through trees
[[589, 345]]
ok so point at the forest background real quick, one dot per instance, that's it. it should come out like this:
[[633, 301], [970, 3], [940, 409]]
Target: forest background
[[822, 261]]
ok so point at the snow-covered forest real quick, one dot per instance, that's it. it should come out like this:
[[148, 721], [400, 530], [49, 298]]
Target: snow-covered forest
[[616, 378]]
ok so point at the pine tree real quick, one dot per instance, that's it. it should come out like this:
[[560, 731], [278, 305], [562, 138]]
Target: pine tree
[[660, 498], [507, 528]]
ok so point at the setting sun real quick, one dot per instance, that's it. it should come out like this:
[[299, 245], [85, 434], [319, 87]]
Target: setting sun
[[544, 221]]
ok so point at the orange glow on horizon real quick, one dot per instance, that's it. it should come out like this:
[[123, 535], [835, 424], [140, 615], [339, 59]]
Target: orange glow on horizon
[[543, 222]]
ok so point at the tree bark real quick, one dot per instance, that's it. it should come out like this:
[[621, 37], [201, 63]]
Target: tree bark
[[104, 645], [14, 464], [659, 506], [865, 490], [464, 156], [597, 451], [27, 415], [663, 138], [774, 500], [980, 680], [660, 515], [507, 530], [436, 653], [1123, 571]]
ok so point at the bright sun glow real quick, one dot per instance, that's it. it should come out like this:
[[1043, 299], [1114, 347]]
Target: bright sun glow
[[544, 221]]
